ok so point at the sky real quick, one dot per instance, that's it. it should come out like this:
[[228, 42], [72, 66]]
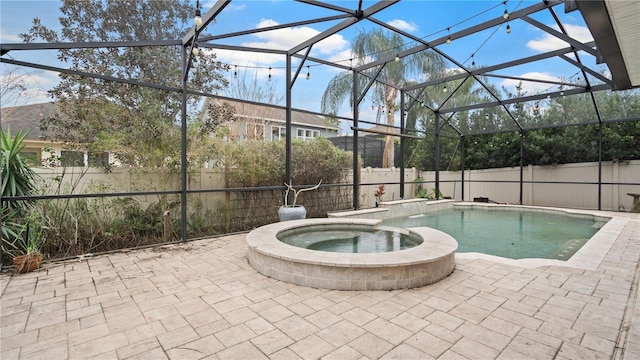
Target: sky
[[427, 19]]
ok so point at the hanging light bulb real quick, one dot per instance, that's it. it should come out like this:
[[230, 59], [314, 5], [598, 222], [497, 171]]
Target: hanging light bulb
[[197, 20], [195, 51], [508, 28], [448, 38], [308, 73], [444, 90], [505, 15], [397, 58], [269, 74], [235, 72], [473, 60]]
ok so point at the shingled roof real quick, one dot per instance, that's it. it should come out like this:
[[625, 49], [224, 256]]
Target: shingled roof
[[27, 117], [276, 114]]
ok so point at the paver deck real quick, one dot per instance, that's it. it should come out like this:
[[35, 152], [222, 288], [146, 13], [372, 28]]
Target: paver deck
[[202, 300]]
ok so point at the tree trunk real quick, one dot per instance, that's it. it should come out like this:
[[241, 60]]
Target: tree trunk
[[388, 155]]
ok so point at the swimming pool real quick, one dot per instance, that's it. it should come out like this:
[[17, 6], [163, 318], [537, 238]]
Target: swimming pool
[[510, 233]]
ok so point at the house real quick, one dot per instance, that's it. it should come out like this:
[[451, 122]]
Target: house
[[38, 144], [371, 142], [256, 121]]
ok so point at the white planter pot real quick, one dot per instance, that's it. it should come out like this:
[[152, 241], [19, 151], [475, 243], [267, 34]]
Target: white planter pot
[[294, 212]]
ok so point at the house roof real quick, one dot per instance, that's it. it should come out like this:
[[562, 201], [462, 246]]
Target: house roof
[[27, 117], [275, 114]]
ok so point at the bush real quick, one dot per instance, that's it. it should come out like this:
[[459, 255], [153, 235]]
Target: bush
[[259, 163]]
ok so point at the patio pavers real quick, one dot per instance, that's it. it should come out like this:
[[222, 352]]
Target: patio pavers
[[202, 300]]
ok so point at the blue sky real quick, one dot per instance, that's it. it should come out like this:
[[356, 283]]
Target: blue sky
[[428, 19]]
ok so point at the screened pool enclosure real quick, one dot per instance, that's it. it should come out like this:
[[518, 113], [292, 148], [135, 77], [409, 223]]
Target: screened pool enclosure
[[574, 64]]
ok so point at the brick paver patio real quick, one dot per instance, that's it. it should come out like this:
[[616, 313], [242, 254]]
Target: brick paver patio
[[202, 300]]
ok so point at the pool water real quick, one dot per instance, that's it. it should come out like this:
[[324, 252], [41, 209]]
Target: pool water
[[515, 234], [349, 239]]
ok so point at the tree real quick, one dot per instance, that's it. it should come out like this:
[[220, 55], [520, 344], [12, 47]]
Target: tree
[[136, 123], [371, 46], [13, 92]]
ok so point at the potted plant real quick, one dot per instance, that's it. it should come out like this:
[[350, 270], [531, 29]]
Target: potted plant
[[28, 244], [293, 211], [378, 193]]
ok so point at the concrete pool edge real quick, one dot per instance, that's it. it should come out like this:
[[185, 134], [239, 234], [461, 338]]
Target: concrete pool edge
[[421, 265]]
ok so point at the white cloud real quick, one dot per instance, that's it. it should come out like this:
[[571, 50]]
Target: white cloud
[[529, 86], [10, 38], [342, 57], [403, 25], [549, 42], [285, 39], [36, 84], [282, 39]]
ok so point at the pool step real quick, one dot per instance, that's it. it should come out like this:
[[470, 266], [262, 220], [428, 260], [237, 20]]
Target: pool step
[[566, 250]]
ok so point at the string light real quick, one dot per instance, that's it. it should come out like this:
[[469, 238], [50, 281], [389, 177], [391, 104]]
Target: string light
[[449, 37], [235, 72], [269, 74], [197, 20], [397, 58], [505, 15], [444, 90], [473, 60], [308, 73], [195, 51], [508, 28]]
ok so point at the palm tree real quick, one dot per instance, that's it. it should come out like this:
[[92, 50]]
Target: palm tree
[[371, 46]]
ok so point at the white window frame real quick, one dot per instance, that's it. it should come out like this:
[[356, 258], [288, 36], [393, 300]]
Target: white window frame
[[281, 132], [307, 134]]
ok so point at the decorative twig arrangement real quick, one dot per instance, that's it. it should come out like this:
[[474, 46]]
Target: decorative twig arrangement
[[296, 193]]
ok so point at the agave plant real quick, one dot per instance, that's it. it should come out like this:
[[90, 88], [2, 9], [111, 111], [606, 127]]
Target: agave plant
[[18, 179]]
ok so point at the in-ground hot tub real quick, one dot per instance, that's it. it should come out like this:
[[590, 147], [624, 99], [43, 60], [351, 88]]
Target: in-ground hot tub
[[430, 260]]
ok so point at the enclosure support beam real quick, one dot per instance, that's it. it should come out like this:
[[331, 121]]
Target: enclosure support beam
[[183, 148], [462, 165], [600, 166], [288, 136], [356, 166], [521, 165], [402, 141], [437, 156]]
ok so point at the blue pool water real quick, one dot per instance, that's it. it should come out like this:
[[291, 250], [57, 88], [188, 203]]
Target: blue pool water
[[514, 234], [348, 239]]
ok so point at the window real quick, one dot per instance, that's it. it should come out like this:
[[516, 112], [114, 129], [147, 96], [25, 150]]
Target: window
[[72, 158], [305, 134], [278, 133], [31, 157], [255, 131], [100, 160]]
